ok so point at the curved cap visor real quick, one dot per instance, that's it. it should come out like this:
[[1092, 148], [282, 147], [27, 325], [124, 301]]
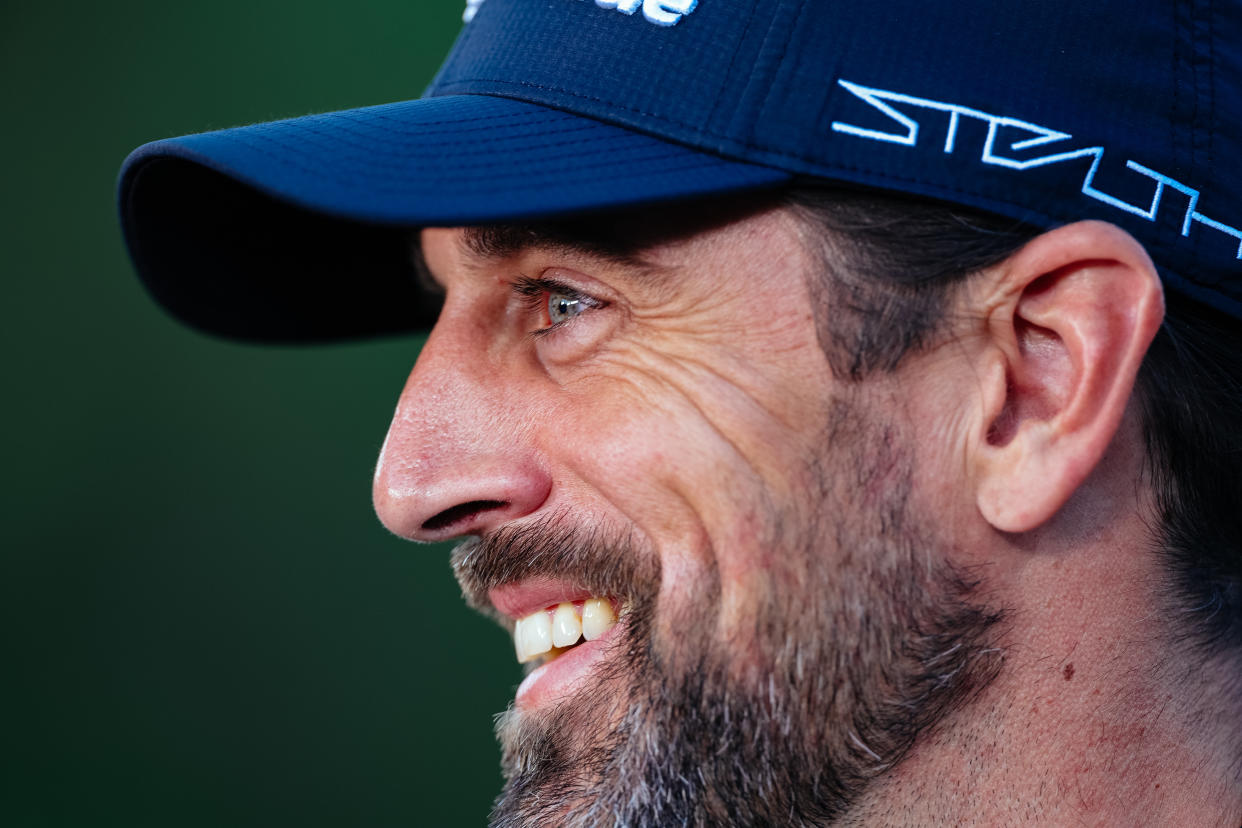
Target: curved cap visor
[[299, 230]]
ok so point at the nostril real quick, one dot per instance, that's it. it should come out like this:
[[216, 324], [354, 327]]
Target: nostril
[[458, 513]]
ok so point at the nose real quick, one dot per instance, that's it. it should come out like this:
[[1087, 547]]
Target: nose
[[456, 460]]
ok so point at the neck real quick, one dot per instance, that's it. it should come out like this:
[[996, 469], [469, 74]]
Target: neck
[[1091, 722], [1073, 753]]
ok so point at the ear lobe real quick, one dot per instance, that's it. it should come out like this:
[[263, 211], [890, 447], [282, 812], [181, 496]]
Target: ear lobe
[[1072, 316]]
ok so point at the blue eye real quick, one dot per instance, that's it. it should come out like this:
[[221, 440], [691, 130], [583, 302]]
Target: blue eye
[[560, 303], [564, 306]]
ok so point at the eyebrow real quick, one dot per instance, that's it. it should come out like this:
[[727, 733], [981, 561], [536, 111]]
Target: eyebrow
[[595, 240], [617, 245], [623, 237], [583, 237]]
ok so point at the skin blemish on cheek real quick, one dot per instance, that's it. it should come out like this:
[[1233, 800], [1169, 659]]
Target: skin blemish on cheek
[[1068, 672]]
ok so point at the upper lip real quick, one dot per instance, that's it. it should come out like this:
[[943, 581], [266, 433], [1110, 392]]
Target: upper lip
[[520, 599]]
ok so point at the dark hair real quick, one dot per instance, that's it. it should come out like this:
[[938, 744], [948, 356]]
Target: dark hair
[[894, 263]]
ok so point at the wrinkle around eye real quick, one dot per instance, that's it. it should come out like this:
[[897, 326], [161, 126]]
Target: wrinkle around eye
[[719, 385], [700, 386]]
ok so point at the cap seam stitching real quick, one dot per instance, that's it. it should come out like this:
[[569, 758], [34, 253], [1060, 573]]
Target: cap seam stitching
[[711, 116], [767, 101]]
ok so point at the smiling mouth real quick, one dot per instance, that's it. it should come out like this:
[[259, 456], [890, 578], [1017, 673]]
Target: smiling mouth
[[551, 632], [562, 633], [569, 594]]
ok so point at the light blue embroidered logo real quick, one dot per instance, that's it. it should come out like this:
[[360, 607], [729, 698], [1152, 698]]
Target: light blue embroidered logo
[[659, 12], [1021, 136]]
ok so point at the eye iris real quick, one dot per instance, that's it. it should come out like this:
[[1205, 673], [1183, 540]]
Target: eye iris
[[562, 307]]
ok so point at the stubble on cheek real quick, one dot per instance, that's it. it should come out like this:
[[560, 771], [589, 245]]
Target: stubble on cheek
[[852, 640]]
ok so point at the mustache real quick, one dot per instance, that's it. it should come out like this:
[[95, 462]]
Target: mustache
[[598, 558]]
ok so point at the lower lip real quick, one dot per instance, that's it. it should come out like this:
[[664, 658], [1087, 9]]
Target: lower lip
[[565, 674]]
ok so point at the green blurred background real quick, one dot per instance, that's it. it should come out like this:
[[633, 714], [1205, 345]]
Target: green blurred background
[[203, 622]]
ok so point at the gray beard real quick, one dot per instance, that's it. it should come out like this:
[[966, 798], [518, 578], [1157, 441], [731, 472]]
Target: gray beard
[[862, 645]]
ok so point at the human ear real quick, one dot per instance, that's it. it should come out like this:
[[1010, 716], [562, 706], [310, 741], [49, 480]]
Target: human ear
[[1070, 318]]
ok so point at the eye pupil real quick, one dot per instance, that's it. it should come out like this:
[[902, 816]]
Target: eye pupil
[[562, 307]]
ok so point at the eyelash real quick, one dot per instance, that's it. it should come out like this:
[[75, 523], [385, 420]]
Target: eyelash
[[534, 295]]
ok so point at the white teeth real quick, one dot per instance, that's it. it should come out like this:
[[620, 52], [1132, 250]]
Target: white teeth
[[597, 618], [533, 636], [565, 626]]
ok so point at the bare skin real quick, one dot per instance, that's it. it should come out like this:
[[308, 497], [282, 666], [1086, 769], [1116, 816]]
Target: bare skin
[[685, 399]]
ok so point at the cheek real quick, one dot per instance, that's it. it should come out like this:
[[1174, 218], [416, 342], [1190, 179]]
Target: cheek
[[737, 415], [686, 483], [645, 457]]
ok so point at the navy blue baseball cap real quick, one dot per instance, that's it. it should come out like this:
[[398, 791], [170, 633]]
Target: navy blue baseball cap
[[1044, 111]]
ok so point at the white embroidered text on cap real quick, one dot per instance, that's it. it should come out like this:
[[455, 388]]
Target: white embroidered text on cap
[[659, 12]]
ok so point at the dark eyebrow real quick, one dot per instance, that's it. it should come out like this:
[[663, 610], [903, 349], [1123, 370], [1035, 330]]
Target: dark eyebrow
[[497, 242], [622, 237]]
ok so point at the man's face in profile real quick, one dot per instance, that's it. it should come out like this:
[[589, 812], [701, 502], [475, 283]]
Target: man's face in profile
[[658, 433]]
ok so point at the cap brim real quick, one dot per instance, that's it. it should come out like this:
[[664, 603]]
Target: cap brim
[[299, 229]]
